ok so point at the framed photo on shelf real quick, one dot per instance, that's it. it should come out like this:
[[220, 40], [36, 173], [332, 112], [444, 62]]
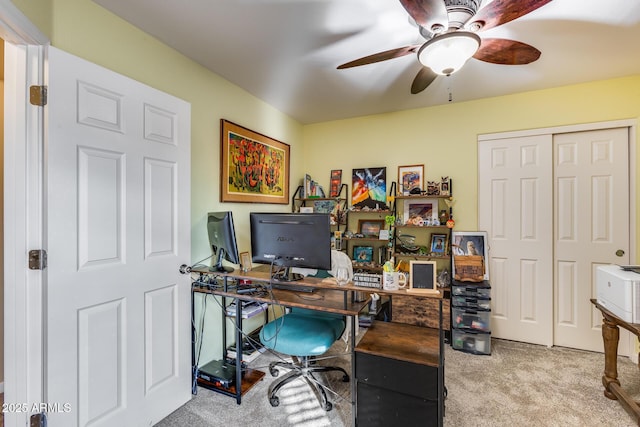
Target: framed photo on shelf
[[335, 183], [438, 244], [445, 186], [370, 227], [245, 261], [324, 206], [410, 177], [422, 277], [241, 184], [363, 253], [470, 243], [420, 211]]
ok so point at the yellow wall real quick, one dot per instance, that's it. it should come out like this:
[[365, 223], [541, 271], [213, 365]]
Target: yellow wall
[[444, 138], [89, 31]]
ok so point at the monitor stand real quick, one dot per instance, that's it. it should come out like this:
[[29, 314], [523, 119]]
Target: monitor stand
[[286, 279], [286, 275]]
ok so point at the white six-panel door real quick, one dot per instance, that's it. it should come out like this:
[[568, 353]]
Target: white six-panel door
[[555, 207], [118, 346], [515, 190], [592, 225]]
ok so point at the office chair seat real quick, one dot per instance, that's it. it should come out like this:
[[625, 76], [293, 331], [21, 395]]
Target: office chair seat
[[302, 334]]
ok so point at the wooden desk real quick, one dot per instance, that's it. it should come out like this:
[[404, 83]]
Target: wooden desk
[[611, 335], [328, 296]]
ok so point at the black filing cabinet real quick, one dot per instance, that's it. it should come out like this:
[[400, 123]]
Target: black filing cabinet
[[398, 388]]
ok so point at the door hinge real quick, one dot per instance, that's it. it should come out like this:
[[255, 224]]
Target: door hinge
[[38, 95], [38, 420], [37, 259]]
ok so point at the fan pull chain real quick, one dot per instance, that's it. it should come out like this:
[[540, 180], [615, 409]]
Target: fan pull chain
[[449, 88]]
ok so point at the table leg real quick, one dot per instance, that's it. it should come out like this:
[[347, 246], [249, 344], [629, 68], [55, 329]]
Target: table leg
[[610, 336]]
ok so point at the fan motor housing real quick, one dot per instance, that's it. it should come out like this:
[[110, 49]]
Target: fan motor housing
[[460, 11]]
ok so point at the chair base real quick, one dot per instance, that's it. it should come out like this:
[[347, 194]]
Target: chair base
[[304, 368]]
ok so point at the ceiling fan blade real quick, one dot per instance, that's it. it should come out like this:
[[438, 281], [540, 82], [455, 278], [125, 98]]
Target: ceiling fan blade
[[381, 56], [506, 52], [427, 13], [423, 79], [500, 12]]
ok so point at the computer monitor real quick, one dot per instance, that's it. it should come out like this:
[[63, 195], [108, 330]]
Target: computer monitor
[[222, 238], [291, 240]]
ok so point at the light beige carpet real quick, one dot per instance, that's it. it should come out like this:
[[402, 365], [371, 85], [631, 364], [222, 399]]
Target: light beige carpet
[[518, 385]]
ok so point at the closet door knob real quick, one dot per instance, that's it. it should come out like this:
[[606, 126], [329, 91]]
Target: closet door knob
[[619, 252]]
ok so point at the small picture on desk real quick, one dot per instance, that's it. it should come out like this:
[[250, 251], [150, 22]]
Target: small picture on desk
[[363, 253], [422, 277], [245, 261]]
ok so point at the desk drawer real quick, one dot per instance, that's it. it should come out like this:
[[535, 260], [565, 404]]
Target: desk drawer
[[478, 320], [479, 291], [471, 341], [382, 407], [397, 375], [471, 302]]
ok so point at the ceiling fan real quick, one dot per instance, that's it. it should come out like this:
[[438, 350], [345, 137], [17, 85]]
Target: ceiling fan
[[450, 28]]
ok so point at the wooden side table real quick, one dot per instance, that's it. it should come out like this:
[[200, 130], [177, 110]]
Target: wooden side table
[[610, 336]]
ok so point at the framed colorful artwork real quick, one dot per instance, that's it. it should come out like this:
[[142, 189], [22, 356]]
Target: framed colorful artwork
[[255, 168], [410, 177], [335, 183], [369, 188]]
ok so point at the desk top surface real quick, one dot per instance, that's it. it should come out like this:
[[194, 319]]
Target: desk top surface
[[258, 274]]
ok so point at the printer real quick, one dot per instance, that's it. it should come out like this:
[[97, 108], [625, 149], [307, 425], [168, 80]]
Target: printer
[[618, 291]]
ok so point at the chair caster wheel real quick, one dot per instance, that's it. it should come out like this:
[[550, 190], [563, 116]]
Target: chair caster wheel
[[345, 378], [328, 406], [274, 401], [274, 372]]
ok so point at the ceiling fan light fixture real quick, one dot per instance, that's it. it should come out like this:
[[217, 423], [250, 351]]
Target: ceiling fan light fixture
[[447, 53]]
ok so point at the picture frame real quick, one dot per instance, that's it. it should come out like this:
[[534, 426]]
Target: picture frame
[[335, 182], [370, 227], [445, 186], [324, 206], [470, 243], [422, 277], [438, 244], [245, 261], [369, 188], [410, 177], [268, 181], [420, 211], [363, 254]]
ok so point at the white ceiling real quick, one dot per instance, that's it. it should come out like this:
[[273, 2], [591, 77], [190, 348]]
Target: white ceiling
[[285, 52]]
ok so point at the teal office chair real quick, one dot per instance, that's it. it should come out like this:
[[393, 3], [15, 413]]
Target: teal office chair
[[302, 334]]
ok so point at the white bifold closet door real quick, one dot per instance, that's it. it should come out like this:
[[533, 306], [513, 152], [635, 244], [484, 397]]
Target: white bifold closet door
[[555, 207]]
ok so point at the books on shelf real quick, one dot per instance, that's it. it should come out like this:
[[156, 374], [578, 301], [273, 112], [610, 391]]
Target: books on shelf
[[248, 310]]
